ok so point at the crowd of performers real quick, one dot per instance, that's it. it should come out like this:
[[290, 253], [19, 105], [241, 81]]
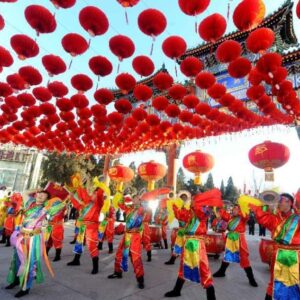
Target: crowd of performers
[[22, 219]]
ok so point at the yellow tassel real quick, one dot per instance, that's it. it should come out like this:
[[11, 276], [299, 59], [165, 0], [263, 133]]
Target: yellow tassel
[[120, 186], [151, 185], [197, 179]]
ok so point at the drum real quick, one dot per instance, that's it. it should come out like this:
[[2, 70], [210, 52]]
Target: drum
[[155, 234], [120, 229], [173, 236], [266, 250], [215, 243]]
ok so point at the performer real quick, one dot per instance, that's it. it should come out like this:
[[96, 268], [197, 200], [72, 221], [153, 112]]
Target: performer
[[88, 220], [185, 196], [13, 208], [236, 248], [3, 214], [285, 264], [193, 262], [131, 243], [54, 234], [77, 225], [218, 224], [161, 219], [29, 245], [107, 230], [146, 237]]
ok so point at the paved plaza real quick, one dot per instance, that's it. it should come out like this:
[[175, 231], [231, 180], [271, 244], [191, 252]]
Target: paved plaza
[[76, 283]]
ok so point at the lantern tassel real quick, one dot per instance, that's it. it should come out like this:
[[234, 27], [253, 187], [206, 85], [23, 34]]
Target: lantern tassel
[[126, 17], [120, 186], [269, 175], [70, 64], [196, 25], [152, 44], [151, 185], [175, 66], [98, 81], [197, 179]]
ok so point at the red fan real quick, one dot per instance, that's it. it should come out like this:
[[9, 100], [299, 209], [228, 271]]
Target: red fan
[[31, 75], [53, 64], [6, 60], [24, 46], [122, 47], [125, 82], [163, 80], [228, 51], [63, 3], [2, 23], [152, 22], [17, 82], [126, 4], [40, 19], [191, 66], [239, 68], [58, 89], [104, 96], [123, 106], [81, 83], [93, 20], [212, 28], [42, 93], [143, 65], [193, 7], [260, 40], [142, 92]]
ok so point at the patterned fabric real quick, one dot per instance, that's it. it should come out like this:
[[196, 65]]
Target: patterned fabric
[[232, 248], [286, 231]]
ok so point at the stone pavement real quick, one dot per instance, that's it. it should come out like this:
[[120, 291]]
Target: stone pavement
[[76, 283]]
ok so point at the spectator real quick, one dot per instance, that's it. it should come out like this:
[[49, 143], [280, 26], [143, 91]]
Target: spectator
[[251, 223]]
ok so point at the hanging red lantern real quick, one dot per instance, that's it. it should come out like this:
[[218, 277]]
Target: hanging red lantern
[[174, 46], [152, 22], [123, 106], [139, 114], [125, 82], [126, 4], [151, 172], [177, 91], [98, 110], [185, 116], [100, 66], [255, 92], [228, 51], [260, 40], [2, 23], [53, 64], [24, 46], [26, 99], [57, 89], [42, 93], [104, 96], [172, 111], [74, 44], [40, 19], [191, 66], [64, 104], [16, 82], [31, 75], [268, 63], [115, 118], [160, 103], [93, 20], [249, 14], [6, 60], [163, 80], [212, 28], [190, 101], [143, 65], [198, 162], [81, 83], [5, 89], [239, 68], [205, 80], [47, 108], [67, 116], [142, 92], [298, 10], [269, 156], [79, 101], [216, 91], [255, 77], [152, 120], [120, 174], [63, 3]]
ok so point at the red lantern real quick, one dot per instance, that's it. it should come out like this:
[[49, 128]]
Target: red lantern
[[172, 111], [17, 82], [57, 89], [121, 175], [5, 89], [123, 106], [177, 91], [260, 40], [64, 104], [212, 28], [163, 80], [74, 44], [142, 92], [216, 91], [228, 51], [42, 93], [190, 101], [191, 66], [143, 65], [268, 156], [47, 108], [100, 66], [152, 120], [139, 114], [255, 92], [6, 60], [125, 82], [205, 80], [298, 10], [269, 63], [24, 46], [104, 96], [26, 99], [239, 68], [53, 64], [40, 19], [2, 23], [185, 116], [160, 103], [126, 4], [79, 101], [93, 20], [115, 118], [249, 14], [198, 162], [31, 75], [151, 172], [81, 83], [63, 3]]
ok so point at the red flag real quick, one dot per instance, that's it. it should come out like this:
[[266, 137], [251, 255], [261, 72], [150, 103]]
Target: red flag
[[209, 198], [56, 190]]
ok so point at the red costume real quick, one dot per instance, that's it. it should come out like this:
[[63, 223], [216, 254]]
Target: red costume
[[161, 219], [107, 229], [146, 231]]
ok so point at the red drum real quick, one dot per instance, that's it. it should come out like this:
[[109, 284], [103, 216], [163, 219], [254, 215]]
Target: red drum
[[173, 236], [120, 229], [215, 243], [266, 250], [155, 234]]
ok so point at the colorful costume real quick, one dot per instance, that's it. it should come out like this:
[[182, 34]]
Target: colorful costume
[[29, 243], [285, 265], [107, 229], [146, 237], [3, 214], [161, 219]]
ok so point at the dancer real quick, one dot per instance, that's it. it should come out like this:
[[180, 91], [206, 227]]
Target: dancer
[[3, 214], [131, 243], [146, 237], [236, 248], [161, 219], [29, 245], [107, 230], [285, 264], [90, 208]]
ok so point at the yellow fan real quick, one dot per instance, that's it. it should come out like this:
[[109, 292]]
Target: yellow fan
[[173, 201], [117, 197], [102, 186], [244, 202]]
